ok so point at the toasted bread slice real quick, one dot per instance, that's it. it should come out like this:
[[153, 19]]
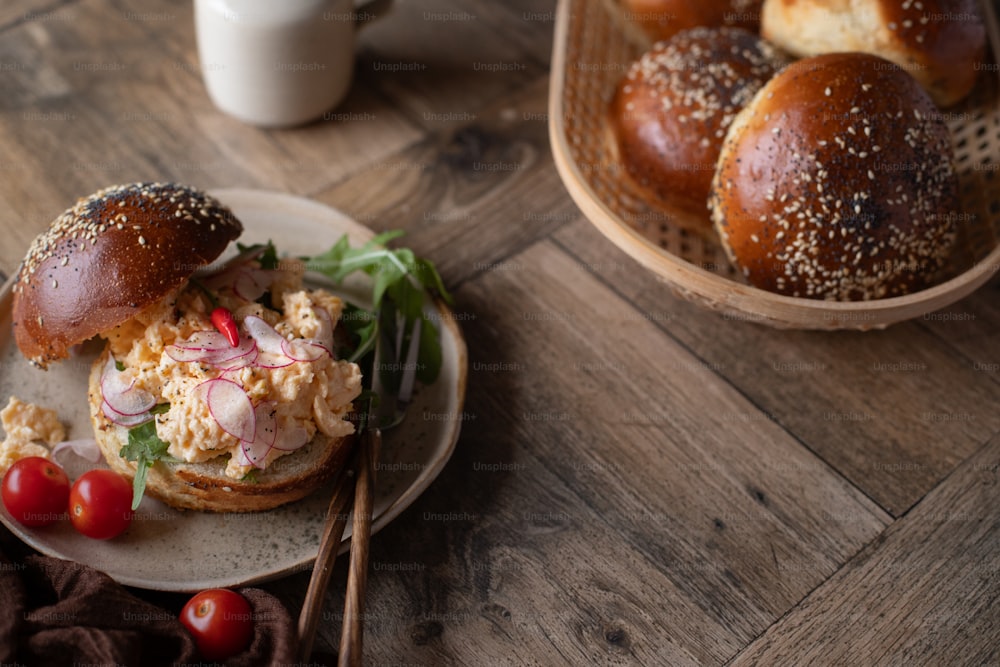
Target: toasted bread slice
[[205, 486]]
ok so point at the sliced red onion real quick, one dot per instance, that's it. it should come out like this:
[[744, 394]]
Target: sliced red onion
[[230, 406], [122, 396], [85, 448], [324, 335]]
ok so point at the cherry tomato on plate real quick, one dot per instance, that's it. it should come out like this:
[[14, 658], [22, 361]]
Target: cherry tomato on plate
[[100, 504], [221, 622], [35, 491]]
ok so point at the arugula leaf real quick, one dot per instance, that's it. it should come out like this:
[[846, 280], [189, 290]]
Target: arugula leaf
[[145, 448], [400, 283]]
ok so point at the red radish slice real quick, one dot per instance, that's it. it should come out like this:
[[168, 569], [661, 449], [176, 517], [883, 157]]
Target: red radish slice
[[268, 339], [269, 342], [204, 350], [230, 407], [121, 395], [85, 448], [270, 360], [303, 349], [254, 453], [251, 283], [206, 341], [128, 421], [324, 336], [290, 439]]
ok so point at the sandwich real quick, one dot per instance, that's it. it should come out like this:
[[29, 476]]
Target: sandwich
[[218, 387]]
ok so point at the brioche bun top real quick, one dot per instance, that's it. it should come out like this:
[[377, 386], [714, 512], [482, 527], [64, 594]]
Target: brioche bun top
[[836, 182], [110, 256]]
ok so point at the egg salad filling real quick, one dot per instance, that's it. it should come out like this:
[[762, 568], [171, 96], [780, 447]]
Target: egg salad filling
[[253, 388], [26, 426]]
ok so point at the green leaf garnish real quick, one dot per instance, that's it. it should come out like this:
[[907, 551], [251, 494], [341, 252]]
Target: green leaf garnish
[[145, 448], [400, 283]]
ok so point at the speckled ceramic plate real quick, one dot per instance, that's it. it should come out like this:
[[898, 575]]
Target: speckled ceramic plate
[[169, 550]]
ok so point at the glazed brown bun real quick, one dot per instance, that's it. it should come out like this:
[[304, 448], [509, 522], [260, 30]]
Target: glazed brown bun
[[670, 112], [108, 257], [836, 182], [939, 42], [662, 19], [205, 486]]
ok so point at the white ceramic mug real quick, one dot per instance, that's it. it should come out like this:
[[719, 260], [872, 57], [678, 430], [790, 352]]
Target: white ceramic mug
[[278, 63]]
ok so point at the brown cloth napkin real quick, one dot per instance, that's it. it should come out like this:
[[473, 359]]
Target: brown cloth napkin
[[55, 612]]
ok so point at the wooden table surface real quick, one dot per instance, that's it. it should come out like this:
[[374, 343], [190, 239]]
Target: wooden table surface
[[638, 481]]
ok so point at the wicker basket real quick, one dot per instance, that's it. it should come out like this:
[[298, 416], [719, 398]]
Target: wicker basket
[[593, 48]]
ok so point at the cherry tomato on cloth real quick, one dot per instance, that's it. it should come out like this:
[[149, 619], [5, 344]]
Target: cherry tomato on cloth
[[35, 491], [100, 504], [221, 622]]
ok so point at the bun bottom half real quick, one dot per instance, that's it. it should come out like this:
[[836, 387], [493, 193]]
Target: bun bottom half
[[205, 486]]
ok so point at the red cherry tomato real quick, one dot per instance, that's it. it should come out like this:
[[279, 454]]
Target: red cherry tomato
[[100, 504], [221, 622], [35, 491]]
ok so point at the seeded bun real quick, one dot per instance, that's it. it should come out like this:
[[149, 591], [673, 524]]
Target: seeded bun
[[836, 182], [671, 111], [662, 19], [108, 257], [205, 486], [939, 42]]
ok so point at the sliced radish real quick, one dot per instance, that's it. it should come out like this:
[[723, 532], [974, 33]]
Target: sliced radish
[[120, 393], [205, 341], [256, 451], [127, 421], [85, 448], [225, 276], [324, 336], [271, 360], [290, 439], [303, 349], [251, 283], [267, 337], [230, 406], [206, 349]]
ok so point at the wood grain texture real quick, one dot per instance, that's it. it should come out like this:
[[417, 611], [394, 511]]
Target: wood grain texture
[[926, 593], [602, 504], [440, 61], [487, 186], [894, 411]]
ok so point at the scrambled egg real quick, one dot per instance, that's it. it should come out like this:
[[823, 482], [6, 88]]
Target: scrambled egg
[[307, 396], [25, 424]]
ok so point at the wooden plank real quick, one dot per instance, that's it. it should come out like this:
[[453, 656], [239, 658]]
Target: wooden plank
[[121, 99], [16, 12], [894, 411], [488, 187], [451, 58], [610, 499], [926, 593], [970, 327]]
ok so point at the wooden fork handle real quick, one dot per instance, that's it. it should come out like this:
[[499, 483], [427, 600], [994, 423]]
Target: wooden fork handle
[[333, 534], [352, 633]]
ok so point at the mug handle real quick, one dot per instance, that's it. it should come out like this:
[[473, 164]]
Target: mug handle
[[367, 11]]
